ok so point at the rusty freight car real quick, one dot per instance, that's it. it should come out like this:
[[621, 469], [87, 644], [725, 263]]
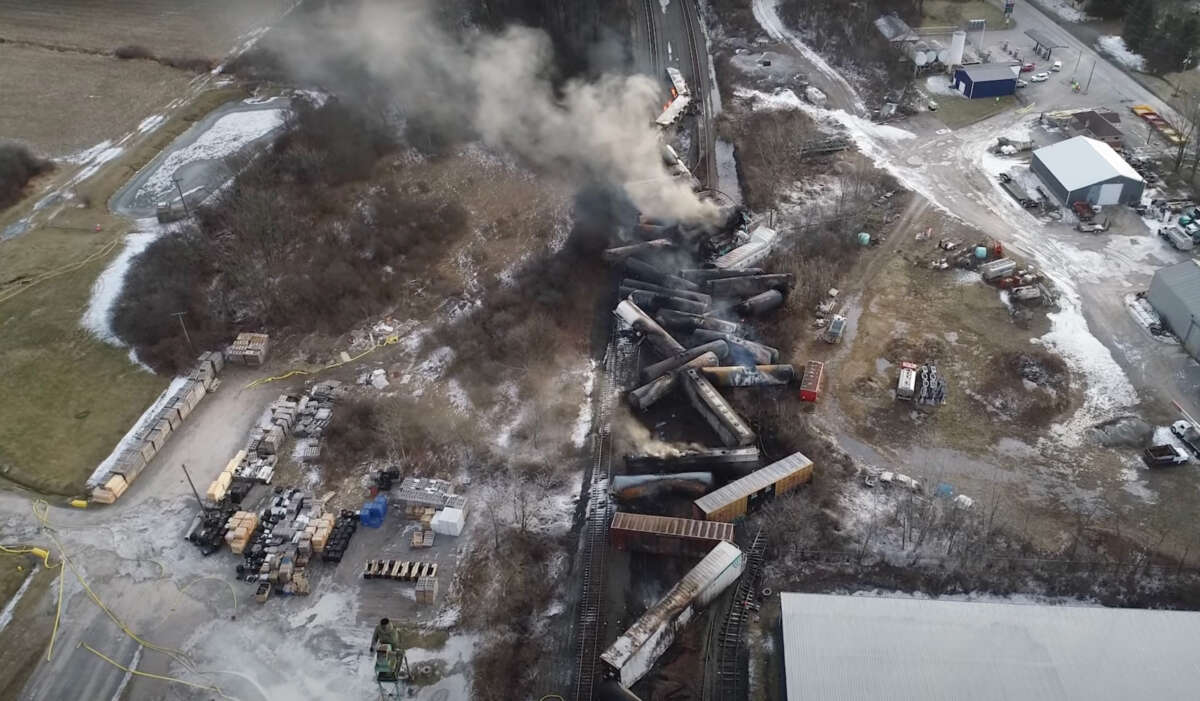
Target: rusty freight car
[[735, 499], [664, 535]]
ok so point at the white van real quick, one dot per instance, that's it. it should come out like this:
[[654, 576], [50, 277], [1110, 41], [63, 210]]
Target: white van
[[1057, 66]]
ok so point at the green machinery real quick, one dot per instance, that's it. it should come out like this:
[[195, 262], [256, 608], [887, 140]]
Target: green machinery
[[391, 671]]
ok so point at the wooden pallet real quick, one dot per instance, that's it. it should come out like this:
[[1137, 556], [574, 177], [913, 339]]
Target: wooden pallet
[[399, 570]]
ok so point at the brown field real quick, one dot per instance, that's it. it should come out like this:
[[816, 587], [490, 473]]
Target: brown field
[[60, 102], [165, 27]]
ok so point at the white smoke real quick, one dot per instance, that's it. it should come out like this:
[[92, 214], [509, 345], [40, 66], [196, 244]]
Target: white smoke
[[500, 86]]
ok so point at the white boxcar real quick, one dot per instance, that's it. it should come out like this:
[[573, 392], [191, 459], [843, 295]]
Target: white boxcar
[[632, 655]]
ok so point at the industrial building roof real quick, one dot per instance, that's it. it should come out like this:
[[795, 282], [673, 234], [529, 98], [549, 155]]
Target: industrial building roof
[[894, 29], [985, 72], [1080, 161], [1184, 280], [723, 556], [752, 482], [854, 648]]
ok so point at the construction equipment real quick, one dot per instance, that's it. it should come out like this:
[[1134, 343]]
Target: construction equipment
[[391, 668]]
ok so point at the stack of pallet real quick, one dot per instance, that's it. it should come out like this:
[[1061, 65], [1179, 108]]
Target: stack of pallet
[[220, 486], [249, 348], [239, 529], [318, 531], [422, 538], [154, 431], [399, 570], [427, 589], [112, 489]]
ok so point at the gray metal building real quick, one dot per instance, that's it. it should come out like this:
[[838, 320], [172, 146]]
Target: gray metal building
[[1175, 295], [1082, 169], [864, 648]]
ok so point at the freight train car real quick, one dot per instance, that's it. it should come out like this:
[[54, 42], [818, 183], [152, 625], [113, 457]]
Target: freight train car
[[735, 499], [630, 656], [663, 535]]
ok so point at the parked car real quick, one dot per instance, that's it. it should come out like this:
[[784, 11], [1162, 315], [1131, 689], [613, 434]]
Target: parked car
[[1040, 77], [1163, 455], [833, 332], [1022, 83], [1028, 67], [1057, 66]]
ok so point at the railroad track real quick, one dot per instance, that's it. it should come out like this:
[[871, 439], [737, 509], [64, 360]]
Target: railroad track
[[652, 37], [703, 87], [619, 362], [732, 656]]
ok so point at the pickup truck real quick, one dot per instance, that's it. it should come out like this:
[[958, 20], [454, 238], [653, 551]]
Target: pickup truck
[[1164, 455], [1186, 432], [1177, 238]]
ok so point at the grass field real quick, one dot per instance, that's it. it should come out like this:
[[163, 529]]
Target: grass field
[[68, 398], [61, 102], [946, 13], [166, 27], [956, 112]]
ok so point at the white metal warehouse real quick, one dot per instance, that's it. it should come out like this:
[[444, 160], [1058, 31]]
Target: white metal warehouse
[[863, 648], [1082, 169], [1175, 295]]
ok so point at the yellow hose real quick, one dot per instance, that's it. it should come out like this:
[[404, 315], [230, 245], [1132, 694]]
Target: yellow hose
[[387, 341], [162, 677]]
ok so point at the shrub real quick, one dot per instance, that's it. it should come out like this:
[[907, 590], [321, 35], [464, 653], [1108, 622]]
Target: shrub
[[18, 166], [132, 51], [193, 64]]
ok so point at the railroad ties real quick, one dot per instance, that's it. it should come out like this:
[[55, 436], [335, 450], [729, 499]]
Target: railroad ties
[[733, 657]]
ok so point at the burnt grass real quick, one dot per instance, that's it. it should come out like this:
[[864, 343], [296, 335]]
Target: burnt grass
[[18, 165]]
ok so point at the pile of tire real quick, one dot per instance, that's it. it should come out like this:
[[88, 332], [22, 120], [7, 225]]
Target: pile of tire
[[339, 537]]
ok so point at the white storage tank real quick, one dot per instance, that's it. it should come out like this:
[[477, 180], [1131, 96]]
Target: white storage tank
[[958, 44]]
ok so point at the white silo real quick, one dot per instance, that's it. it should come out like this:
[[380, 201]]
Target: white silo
[[958, 43]]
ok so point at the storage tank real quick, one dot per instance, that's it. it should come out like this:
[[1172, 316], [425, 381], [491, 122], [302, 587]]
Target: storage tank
[[919, 53], [958, 43], [943, 53]]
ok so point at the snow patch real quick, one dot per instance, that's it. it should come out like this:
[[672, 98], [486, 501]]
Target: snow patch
[[7, 614], [765, 12], [583, 424], [940, 85], [1108, 389], [151, 123], [224, 138], [1065, 10], [1115, 47], [97, 318]]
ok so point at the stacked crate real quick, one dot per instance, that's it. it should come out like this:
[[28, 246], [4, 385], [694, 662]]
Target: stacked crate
[[112, 490], [239, 529], [427, 589], [249, 348]]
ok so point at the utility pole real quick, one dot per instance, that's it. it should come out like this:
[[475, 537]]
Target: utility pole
[[182, 200], [193, 486], [1089, 83], [1078, 58], [179, 315]]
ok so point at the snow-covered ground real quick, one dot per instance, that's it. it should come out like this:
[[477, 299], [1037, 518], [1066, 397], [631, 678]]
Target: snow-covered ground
[[1064, 9], [97, 318], [1115, 47], [224, 138], [767, 15], [941, 85]]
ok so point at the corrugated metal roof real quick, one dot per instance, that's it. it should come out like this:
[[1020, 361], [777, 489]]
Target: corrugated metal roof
[[984, 72], [720, 558], [1184, 280], [667, 526], [752, 482], [894, 29], [857, 648], [1079, 162]]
